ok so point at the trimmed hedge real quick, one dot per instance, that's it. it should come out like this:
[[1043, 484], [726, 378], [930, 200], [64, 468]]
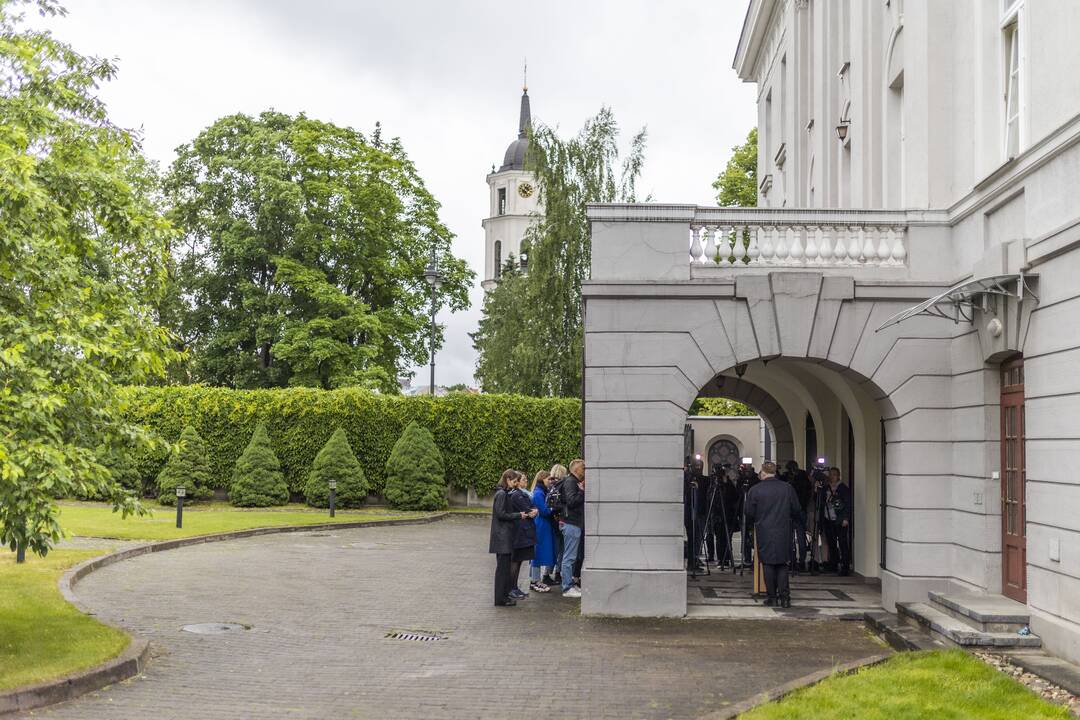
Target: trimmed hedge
[[479, 435]]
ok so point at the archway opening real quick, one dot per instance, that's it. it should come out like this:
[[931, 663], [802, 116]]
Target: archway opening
[[821, 416]]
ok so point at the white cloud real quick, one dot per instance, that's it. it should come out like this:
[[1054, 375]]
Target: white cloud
[[444, 76]]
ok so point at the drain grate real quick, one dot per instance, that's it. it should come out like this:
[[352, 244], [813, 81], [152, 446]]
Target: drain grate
[[418, 635]]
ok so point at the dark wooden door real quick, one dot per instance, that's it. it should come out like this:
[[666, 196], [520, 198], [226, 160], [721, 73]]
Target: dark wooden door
[[1013, 477]]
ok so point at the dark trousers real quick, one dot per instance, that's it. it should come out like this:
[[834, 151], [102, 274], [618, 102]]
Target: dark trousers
[[709, 538], [836, 535], [502, 577], [558, 551], [776, 581]]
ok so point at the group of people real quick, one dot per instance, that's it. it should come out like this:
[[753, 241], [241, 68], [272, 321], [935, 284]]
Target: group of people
[[542, 524], [788, 514]]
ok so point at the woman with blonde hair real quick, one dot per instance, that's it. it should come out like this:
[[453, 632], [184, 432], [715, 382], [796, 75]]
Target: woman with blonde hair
[[544, 557], [555, 485]]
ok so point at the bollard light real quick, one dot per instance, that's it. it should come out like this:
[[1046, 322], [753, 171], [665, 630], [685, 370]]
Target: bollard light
[[181, 491], [333, 496]]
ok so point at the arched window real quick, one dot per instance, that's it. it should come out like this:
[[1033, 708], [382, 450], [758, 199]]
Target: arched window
[[498, 259]]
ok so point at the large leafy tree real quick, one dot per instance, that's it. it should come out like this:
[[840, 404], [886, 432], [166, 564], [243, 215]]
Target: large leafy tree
[[303, 254], [530, 336], [82, 253], [737, 184]]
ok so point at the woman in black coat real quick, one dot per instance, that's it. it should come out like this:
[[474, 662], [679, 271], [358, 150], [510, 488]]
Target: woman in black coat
[[525, 537], [504, 525]]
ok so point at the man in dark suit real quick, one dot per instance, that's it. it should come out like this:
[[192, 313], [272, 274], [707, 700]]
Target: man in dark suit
[[771, 507]]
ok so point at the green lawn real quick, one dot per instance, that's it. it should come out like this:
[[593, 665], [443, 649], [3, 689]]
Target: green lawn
[[41, 635], [943, 685], [98, 520]]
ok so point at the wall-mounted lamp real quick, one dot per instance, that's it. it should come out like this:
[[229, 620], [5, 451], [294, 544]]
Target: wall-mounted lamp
[[841, 130], [740, 370]]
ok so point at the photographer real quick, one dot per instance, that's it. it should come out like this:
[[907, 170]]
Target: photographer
[[725, 513], [836, 513], [800, 483], [771, 506]]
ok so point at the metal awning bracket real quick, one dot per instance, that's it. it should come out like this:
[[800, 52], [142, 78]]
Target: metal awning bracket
[[961, 301]]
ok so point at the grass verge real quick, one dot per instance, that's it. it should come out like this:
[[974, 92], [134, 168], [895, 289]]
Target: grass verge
[[41, 635], [98, 520], [943, 685]]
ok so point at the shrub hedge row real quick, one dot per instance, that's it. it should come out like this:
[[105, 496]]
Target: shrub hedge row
[[479, 435]]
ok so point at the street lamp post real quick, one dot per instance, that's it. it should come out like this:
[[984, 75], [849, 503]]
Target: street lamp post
[[435, 279], [333, 495]]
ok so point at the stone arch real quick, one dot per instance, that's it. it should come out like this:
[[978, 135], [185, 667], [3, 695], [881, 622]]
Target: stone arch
[[650, 352], [758, 400]]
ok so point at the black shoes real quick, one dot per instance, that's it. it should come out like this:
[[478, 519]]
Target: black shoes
[[508, 602], [785, 601], [550, 581], [770, 602]]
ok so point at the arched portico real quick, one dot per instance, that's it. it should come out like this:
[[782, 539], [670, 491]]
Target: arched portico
[[789, 343]]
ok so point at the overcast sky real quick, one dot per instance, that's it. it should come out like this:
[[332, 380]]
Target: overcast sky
[[443, 76]]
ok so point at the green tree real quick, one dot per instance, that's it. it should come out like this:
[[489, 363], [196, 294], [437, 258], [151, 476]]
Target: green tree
[[530, 336], [415, 475], [720, 406], [257, 478], [82, 255], [336, 461], [736, 186], [187, 466], [303, 254]]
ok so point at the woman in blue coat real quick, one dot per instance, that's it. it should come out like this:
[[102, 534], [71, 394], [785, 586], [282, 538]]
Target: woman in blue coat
[[544, 558]]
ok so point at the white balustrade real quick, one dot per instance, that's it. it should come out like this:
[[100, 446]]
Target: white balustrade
[[811, 242]]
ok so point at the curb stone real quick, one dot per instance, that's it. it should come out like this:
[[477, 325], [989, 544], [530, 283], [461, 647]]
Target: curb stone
[[132, 660], [778, 693]]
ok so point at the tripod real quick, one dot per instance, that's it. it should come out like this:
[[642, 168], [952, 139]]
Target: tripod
[[728, 553], [693, 545]]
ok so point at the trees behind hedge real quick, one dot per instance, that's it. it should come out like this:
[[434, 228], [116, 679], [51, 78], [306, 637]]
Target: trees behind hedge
[[415, 475], [479, 435], [336, 461], [186, 466], [257, 478]]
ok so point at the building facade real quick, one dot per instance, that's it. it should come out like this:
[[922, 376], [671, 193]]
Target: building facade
[[904, 300], [514, 199]]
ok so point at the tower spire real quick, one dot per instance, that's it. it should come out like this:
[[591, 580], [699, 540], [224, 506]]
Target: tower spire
[[525, 116]]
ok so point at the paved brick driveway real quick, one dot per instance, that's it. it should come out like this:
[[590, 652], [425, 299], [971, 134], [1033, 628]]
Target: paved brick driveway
[[320, 605]]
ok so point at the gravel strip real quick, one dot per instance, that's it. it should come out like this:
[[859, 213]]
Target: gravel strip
[[1036, 684]]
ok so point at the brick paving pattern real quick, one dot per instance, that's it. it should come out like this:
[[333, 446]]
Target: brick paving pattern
[[321, 603]]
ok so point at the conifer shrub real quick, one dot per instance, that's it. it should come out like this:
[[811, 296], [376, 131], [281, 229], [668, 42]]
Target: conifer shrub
[[336, 461], [257, 478], [415, 475], [187, 466]]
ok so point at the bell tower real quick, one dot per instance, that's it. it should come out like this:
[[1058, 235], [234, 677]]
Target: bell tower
[[514, 199]]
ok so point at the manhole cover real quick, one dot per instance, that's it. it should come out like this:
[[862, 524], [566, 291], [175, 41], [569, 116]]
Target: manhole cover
[[214, 628], [418, 635]]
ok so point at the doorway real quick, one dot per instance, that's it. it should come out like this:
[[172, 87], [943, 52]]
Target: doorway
[[1013, 479]]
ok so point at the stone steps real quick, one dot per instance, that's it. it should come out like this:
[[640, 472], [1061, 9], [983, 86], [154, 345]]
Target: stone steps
[[987, 613], [955, 631], [898, 634]]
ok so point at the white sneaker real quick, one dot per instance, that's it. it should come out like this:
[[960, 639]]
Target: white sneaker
[[573, 592]]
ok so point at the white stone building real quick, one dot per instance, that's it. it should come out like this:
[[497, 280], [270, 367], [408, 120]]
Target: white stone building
[[514, 200], [907, 288]]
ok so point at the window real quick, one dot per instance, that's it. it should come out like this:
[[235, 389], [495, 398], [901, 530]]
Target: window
[[502, 201], [498, 255], [1013, 57]]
